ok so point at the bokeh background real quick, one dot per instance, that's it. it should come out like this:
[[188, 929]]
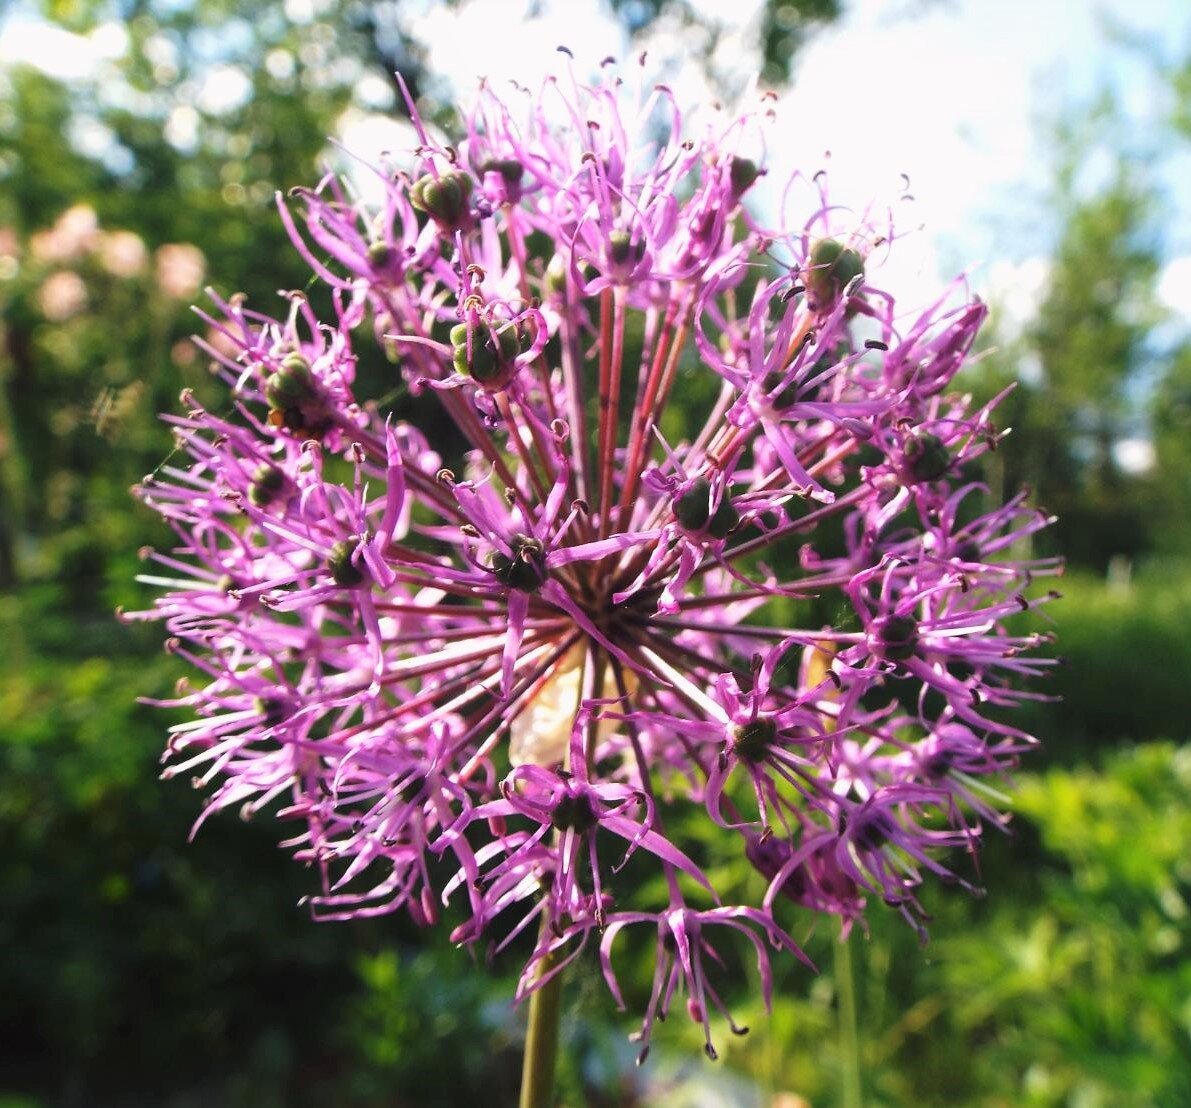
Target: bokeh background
[[1048, 149]]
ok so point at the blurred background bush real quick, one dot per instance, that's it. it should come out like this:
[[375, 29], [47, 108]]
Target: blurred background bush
[[138, 969]]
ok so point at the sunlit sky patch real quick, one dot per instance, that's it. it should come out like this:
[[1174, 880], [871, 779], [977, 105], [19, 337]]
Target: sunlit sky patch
[[958, 95]]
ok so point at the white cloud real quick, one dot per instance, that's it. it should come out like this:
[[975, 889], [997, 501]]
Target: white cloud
[[504, 40]]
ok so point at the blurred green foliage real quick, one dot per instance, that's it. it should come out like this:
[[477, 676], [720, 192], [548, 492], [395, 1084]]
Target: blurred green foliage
[[143, 969]]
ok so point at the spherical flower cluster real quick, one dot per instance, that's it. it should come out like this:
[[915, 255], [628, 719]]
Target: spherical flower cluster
[[479, 673]]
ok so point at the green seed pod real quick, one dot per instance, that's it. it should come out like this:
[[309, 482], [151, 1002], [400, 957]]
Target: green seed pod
[[623, 251], [272, 710], [969, 551], [444, 198], [751, 741], [267, 482], [829, 270], [742, 173], [927, 459], [489, 360], [693, 508], [379, 254], [510, 170], [725, 520], [525, 570], [574, 813], [785, 396], [898, 637], [555, 281], [874, 833], [343, 570], [292, 384]]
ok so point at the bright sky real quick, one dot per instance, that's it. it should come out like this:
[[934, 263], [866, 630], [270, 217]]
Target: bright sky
[[955, 93]]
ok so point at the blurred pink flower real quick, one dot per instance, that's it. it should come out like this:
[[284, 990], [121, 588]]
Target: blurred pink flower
[[10, 243], [74, 234], [62, 295], [181, 267], [123, 253]]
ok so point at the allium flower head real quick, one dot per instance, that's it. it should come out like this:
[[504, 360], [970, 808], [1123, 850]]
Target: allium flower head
[[480, 669]]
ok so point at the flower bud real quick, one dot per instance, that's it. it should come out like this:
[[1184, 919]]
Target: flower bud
[[444, 198], [829, 270]]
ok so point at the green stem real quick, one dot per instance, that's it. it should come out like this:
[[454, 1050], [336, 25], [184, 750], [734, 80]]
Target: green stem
[[849, 1042], [541, 1041]]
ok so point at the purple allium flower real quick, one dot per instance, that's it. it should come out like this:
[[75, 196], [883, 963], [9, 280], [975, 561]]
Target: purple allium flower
[[478, 674]]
